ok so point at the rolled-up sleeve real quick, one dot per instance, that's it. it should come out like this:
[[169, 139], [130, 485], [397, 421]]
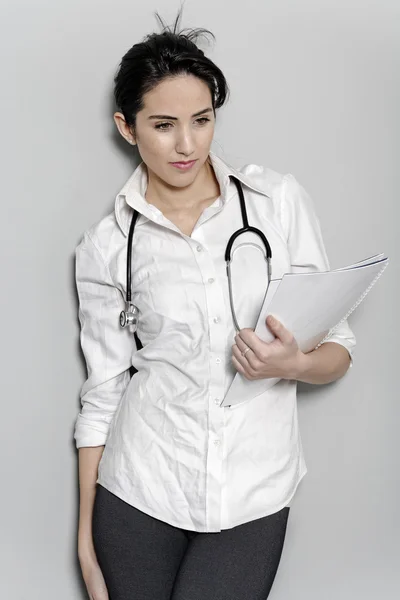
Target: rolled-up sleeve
[[306, 246], [107, 347]]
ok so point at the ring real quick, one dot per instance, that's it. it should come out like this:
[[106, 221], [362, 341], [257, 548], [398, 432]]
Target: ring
[[244, 351]]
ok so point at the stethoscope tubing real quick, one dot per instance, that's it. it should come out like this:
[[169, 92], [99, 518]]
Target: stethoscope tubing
[[246, 227], [130, 315]]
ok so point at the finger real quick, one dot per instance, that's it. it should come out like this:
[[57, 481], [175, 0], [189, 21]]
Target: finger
[[241, 344], [245, 336], [279, 330], [249, 358], [246, 361], [251, 339], [238, 366]]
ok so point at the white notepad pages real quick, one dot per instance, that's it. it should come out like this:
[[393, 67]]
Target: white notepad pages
[[311, 306]]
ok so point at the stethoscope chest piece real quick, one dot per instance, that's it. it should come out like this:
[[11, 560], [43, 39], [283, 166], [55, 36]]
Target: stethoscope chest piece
[[129, 317]]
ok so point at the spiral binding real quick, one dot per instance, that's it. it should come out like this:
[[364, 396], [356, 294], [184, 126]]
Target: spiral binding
[[361, 298]]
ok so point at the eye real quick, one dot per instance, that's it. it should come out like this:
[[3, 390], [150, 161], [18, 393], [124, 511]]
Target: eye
[[166, 126], [161, 126]]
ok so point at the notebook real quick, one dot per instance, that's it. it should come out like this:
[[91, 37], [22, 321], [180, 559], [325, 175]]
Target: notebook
[[311, 306]]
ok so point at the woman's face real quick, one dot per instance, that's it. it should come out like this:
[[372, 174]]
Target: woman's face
[[176, 124]]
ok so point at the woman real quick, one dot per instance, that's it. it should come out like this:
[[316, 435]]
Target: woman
[[181, 498]]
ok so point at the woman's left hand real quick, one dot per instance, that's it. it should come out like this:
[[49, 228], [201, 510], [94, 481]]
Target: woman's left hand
[[280, 358]]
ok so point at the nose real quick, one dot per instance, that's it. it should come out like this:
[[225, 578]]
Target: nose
[[185, 142]]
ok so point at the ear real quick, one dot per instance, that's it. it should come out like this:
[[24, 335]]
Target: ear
[[124, 128]]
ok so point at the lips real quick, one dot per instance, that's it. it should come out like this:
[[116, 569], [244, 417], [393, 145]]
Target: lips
[[184, 166]]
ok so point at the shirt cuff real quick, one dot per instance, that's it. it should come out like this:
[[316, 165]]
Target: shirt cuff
[[85, 435]]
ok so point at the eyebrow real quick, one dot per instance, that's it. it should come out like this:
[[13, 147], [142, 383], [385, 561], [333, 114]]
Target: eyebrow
[[201, 112]]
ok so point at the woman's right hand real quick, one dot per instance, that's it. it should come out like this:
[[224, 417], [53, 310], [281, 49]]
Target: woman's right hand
[[94, 580]]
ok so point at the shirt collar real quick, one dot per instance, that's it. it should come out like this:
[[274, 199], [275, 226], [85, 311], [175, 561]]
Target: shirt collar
[[132, 195]]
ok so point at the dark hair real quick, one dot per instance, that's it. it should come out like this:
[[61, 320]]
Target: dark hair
[[163, 55]]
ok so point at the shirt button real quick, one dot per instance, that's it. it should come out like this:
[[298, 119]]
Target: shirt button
[[217, 319], [211, 280], [217, 442], [217, 360], [199, 248], [217, 401]]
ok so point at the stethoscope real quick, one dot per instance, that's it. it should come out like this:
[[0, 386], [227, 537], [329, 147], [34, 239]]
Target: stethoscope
[[129, 316]]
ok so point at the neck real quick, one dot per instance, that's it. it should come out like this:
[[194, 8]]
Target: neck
[[168, 197]]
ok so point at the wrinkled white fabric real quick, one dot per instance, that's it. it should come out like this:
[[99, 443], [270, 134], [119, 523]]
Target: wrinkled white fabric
[[170, 449]]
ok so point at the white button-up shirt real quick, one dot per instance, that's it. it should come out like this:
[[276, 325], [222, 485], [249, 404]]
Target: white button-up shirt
[[170, 449]]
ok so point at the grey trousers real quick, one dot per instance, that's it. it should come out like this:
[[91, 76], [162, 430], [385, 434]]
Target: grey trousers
[[143, 558]]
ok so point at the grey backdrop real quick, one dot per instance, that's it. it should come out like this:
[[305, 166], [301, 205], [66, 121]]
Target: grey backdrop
[[315, 92]]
